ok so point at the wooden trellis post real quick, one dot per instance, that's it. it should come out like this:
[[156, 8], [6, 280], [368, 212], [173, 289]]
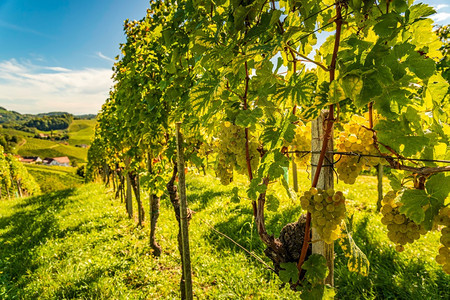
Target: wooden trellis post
[[325, 182]]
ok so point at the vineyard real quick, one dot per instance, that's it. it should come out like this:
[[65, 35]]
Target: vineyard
[[260, 93]]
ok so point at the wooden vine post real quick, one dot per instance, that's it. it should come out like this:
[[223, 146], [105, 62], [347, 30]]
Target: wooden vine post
[[187, 275], [325, 182], [129, 196], [380, 185]]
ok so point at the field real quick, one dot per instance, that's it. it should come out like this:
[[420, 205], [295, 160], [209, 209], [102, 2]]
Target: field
[[53, 178], [80, 132], [78, 243]]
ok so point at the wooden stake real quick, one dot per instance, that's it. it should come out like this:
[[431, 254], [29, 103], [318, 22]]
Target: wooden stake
[[183, 216], [294, 176], [380, 185], [129, 196], [325, 182]]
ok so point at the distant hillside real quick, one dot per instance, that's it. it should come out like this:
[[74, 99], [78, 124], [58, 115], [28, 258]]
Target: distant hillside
[[42, 121], [79, 135], [10, 116]]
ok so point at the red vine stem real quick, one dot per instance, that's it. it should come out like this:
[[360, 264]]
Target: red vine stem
[[328, 131]]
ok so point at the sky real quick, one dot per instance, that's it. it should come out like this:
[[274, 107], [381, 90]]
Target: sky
[[57, 55]]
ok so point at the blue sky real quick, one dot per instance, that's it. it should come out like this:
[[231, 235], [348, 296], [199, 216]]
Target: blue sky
[[57, 55]]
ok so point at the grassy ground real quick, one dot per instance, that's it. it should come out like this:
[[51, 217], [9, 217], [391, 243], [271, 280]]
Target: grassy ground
[[54, 178], [81, 132], [78, 243], [47, 148]]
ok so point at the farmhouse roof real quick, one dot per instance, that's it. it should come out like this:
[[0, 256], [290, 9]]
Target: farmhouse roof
[[62, 159]]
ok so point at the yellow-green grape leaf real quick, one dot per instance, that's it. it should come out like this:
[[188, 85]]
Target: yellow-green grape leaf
[[336, 92], [357, 261], [352, 85]]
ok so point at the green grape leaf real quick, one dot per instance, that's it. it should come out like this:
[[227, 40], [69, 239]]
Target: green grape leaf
[[316, 268], [413, 201], [387, 24], [235, 197], [437, 89], [336, 92], [246, 118], [371, 88], [395, 179], [438, 186], [272, 203], [422, 206], [319, 291], [352, 85], [423, 67], [256, 187], [419, 11], [288, 272], [396, 133]]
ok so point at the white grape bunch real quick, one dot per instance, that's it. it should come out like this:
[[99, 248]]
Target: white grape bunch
[[443, 258], [301, 142], [231, 152], [401, 229], [327, 209], [356, 138]]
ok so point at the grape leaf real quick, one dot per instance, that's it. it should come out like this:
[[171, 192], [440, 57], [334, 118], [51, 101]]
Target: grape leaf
[[357, 261], [316, 268], [272, 203], [235, 198], [288, 272], [423, 67], [352, 85], [419, 11], [246, 118], [386, 25], [438, 186], [319, 291], [335, 93], [413, 201]]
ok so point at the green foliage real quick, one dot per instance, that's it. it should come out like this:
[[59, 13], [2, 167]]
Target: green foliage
[[422, 206], [289, 272]]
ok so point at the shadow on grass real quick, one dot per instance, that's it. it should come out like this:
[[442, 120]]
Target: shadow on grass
[[391, 275], [33, 223], [240, 226]]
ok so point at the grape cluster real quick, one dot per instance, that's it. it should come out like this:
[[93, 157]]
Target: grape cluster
[[231, 153], [327, 210], [301, 142], [443, 258], [358, 139], [401, 229]]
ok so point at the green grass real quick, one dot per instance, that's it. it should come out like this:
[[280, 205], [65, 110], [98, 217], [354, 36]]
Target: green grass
[[81, 132], [54, 178], [47, 148], [78, 243]]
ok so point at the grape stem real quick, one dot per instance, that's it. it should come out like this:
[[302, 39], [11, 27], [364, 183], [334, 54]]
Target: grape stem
[[329, 126]]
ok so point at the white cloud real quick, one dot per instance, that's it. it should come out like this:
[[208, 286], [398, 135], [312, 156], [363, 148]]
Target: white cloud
[[101, 55], [440, 6], [29, 88], [439, 17]]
